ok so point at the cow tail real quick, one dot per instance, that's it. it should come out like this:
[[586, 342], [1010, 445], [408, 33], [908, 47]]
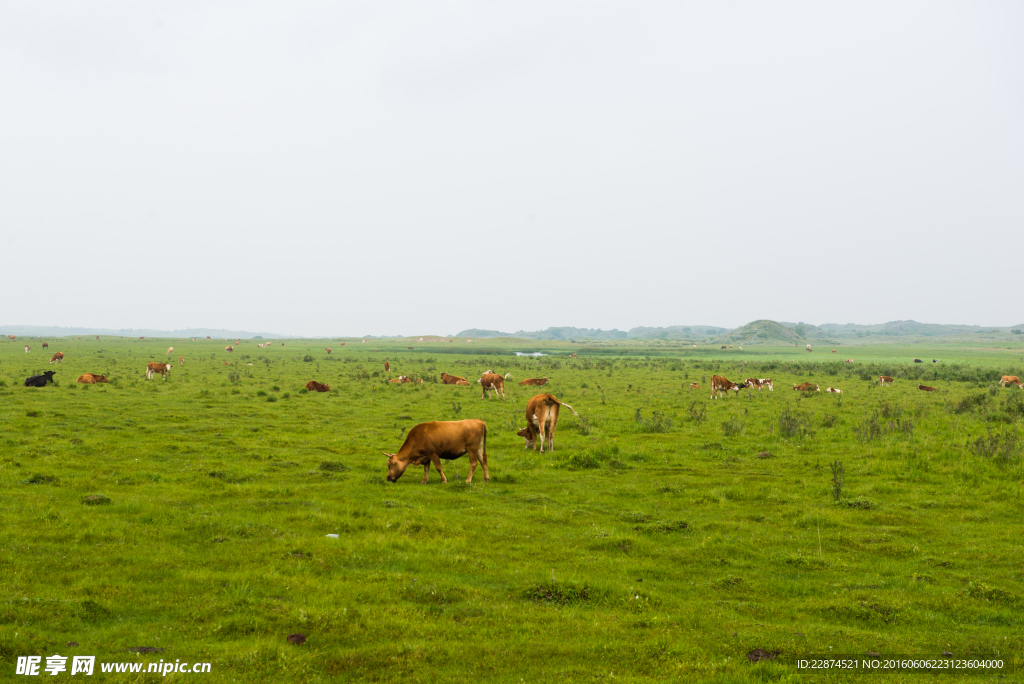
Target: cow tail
[[560, 403]]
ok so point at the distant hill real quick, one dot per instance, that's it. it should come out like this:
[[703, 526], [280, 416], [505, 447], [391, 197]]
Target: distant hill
[[764, 332], [477, 332], [55, 331]]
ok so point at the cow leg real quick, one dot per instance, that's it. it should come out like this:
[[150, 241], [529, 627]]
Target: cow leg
[[472, 466], [426, 472], [437, 464], [482, 457]]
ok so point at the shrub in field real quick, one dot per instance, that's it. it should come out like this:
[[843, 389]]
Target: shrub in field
[[658, 422], [698, 412], [838, 480], [563, 593], [733, 427], [967, 404], [307, 358], [1002, 447], [584, 460], [791, 424]]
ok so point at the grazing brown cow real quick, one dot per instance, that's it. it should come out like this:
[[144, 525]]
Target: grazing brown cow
[[409, 348], [1012, 380], [848, 361], [806, 387], [229, 348], [387, 367], [572, 356], [430, 442], [723, 346], [314, 386], [760, 383], [694, 385], [92, 378], [833, 351], [153, 367], [926, 388], [833, 390], [181, 360], [11, 336], [46, 345], [492, 381], [141, 338], [57, 358], [534, 381], [541, 418], [808, 347], [452, 380], [342, 344], [169, 350], [720, 384], [328, 350], [884, 380]]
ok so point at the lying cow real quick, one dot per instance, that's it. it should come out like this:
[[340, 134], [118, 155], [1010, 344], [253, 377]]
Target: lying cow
[[92, 378], [430, 442], [1011, 380], [57, 358], [492, 381], [162, 368], [314, 386], [229, 348], [40, 380], [541, 418], [453, 380], [537, 382], [694, 385], [806, 387], [926, 388], [832, 390], [400, 380], [720, 384]]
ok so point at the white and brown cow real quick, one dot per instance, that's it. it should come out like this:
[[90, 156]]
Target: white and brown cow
[[720, 384], [1011, 380], [181, 360], [541, 419], [884, 380], [431, 442], [27, 349], [153, 367], [833, 390], [492, 381], [57, 358], [169, 350]]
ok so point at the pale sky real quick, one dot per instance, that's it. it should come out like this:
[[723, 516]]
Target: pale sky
[[349, 168]]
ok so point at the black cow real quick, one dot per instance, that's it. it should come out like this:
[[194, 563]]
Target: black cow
[[40, 380], [935, 360], [918, 361]]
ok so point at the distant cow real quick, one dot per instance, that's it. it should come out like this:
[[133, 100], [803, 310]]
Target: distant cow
[[57, 358], [833, 351], [720, 384], [39, 380], [169, 350], [833, 390], [806, 387], [92, 378], [848, 361], [181, 360], [1010, 379], [27, 348], [918, 361], [314, 386], [46, 345], [162, 368], [541, 418], [572, 356], [141, 338], [400, 380], [430, 442], [229, 348], [884, 380], [809, 348], [328, 350], [723, 346], [694, 385], [492, 381], [534, 381], [760, 383], [409, 348], [12, 337], [387, 367], [926, 388], [453, 380]]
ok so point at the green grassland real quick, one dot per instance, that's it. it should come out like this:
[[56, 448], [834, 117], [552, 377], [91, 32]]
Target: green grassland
[[667, 537]]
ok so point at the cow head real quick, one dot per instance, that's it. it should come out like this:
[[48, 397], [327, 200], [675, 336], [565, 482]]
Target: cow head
[[49, 374], [100, 378], [395, 467], [527, 434]]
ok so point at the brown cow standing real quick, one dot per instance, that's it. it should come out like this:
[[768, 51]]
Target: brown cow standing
[[884, 380], [92, 378], [572, 356], [720, 384], [1011, 380], [328, 350], [181, 360], [535, 381], [314, 386], [430, 442], [492, 381], [153, 367], [387, 367], [46, 345], [541, 418], [57, 358], [926, 388]]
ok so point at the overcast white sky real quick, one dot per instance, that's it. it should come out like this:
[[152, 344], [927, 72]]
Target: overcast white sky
[[315, 168]]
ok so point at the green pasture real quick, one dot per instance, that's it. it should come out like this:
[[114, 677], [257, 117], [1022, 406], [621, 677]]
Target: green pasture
[[668, 537]]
